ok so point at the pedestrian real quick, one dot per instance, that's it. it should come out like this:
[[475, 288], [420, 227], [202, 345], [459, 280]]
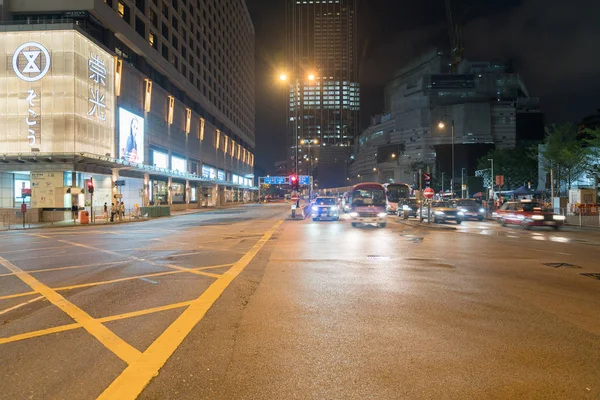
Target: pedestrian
[[112, 212], [105, 211], [74, 210], [122, 213]]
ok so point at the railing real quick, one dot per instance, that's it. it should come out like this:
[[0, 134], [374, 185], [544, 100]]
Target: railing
[[588, 216]]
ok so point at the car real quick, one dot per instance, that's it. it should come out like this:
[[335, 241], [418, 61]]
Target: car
[[442, 211], [325, 207], [527, 214], [470, 208], [411, 206]]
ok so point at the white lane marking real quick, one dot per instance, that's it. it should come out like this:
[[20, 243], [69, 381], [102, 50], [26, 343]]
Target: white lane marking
[[553, 252]]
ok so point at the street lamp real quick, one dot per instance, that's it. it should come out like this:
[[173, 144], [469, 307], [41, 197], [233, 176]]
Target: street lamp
[[309, 143], [441, 125]]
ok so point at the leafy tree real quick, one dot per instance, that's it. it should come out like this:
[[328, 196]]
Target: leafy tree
[[592, 140], [517, 165], [565, 153]]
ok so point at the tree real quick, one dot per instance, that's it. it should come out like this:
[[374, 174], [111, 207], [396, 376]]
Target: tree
[[516, 165], [564, 153], [592, 140]]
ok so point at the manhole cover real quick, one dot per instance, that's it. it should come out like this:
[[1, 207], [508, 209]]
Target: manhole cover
[[377, 257], [595, 275], [560, 265]]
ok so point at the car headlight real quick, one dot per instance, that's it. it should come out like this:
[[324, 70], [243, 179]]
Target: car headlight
[[382, 215], [405, 207], [315, 208], [463, 210], [335, 208], [482, 210], [520, 217], [354, 214], [559, 217], [439, 213], [460, 213], [537, 217]]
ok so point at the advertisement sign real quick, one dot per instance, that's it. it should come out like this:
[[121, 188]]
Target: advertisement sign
[[56, 93], [206, 171], [131, 137], [221, 175], [160, 160], [178, 164], [45, 188]]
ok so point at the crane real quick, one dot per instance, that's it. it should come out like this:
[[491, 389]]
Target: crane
[[456, 40]]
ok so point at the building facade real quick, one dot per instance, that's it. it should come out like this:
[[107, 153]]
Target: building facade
[[152, 102], [485, 103], [324, 95]]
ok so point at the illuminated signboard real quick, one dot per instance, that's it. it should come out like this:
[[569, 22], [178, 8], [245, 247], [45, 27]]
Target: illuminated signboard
[[206, 172], [178, 164], [275, 180], [221, 175], [304, 180], [56, 93], [131, 137], [160, 160]]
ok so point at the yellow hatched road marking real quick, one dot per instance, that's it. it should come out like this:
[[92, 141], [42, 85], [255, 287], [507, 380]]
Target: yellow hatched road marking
[[136, 376], [21, 305], [190, 270], [129, 278], [104, 335], [105, 264], [68, 327]]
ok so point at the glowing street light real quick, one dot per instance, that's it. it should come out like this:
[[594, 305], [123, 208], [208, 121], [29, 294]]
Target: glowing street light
[[311, 77], [283, 77], [441, 125], [393, 155]]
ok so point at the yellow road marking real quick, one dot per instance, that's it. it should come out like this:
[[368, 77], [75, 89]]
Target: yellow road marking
[[36, 271], [68, 327], [183, 269], [104, 335], [34, 249], [136, 376], [21, 305], [129, 278]]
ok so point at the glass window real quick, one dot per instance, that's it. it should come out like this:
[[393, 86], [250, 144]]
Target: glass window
[[21, 184]]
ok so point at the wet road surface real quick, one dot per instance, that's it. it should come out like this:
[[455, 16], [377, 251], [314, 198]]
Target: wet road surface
[[233, 304]]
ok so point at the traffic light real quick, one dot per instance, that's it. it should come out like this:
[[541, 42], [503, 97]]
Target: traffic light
[[90, 186], [427, 180], [294, 182]]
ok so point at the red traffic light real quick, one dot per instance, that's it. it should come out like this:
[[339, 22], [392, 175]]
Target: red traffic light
[[90, 186], [293, 178]]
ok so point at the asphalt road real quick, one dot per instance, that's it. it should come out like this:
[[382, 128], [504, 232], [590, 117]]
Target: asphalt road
[[236, 304]]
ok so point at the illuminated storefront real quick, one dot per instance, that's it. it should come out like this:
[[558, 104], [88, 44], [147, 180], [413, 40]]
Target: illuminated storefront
[[72, 111]]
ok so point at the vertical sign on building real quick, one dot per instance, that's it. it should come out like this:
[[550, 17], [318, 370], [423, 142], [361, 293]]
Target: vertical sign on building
[[31, 62], [97, 71]]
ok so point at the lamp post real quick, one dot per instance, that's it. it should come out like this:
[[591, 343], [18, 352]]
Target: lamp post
[[492, 184], [309, 143], [377, 172], [462, 183], [441, 125], [283, 77]]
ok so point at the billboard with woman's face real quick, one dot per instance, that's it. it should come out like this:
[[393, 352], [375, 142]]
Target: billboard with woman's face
[[131, 137]]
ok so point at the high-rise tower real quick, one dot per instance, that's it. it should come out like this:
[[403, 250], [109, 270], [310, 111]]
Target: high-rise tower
[[324, 90]]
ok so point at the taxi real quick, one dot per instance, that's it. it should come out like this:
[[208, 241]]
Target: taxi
[[527, 214]]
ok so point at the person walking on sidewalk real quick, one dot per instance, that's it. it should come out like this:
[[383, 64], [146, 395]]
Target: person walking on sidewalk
[[74, 210], [105, 211], [122, 211], [112, 212]]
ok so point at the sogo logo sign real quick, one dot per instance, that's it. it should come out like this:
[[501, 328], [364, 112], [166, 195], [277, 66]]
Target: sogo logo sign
[[31, 61]]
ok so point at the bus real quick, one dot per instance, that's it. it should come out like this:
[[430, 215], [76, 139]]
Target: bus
[[367, 205], [395, 193]]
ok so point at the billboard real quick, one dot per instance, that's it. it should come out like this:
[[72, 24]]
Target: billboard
[[131, 136], [56, 93]]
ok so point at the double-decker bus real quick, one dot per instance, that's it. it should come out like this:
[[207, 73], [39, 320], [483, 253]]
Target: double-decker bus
[[367, 204], [396, 193]]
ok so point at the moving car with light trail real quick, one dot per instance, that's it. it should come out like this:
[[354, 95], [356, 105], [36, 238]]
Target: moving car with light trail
[[442, 211], [527, 214], [470, 208]]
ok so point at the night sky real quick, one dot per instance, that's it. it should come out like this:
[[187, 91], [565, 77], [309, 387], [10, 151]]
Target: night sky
[[554, 45]]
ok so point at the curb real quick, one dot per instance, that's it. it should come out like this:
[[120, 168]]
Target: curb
[[183, 214]]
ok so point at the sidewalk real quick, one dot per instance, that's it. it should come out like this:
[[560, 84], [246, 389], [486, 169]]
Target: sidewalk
[[128, 218]]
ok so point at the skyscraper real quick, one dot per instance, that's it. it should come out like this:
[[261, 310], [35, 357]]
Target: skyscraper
[[324, 97]]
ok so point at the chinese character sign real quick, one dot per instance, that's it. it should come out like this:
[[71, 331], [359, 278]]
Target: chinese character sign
[[56, 93]]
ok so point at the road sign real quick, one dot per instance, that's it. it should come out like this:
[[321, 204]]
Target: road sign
[[294, 196], [275, 180], [120, 183], [25, 192], [304, 180], [428, 193]]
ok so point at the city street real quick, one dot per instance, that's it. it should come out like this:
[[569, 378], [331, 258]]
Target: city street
[[244, 303]]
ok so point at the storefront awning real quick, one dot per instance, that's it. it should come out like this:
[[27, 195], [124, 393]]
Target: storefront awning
[[86, 162]]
